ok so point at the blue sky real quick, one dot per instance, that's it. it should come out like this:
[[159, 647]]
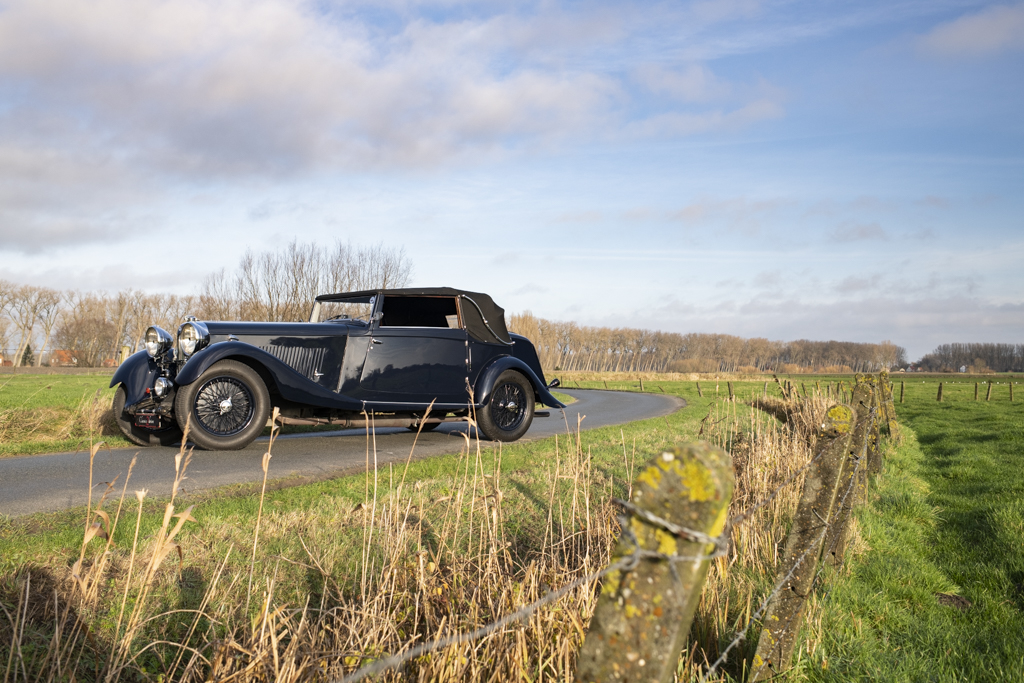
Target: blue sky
[[820, 170]]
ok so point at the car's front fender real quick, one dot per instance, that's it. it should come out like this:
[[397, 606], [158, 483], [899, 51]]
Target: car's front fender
[[489, 375], [137, 373], [290, 384]]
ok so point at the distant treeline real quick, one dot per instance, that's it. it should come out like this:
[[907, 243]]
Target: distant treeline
[[40, 325], [975, 358], [571, 347]]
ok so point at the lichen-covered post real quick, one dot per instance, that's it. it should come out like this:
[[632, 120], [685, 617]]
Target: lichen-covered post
[[803, 547], [875, 433], [886, 402], [834, 546], [859, 442], [643, 615]]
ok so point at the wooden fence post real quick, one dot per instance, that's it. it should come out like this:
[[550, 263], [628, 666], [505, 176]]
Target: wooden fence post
[[902, 387], [766, 389], [988, 394], [938, 397], [803, 547], [975, 391], [861, 439], [1011, 391], [732, 396], [643, 615], [641, 384], [699, 392]]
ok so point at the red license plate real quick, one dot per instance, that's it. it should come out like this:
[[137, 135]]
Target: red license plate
[[147, 420]]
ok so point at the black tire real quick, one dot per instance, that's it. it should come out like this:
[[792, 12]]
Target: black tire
[[167, 436], [228, 406], [509, 410]]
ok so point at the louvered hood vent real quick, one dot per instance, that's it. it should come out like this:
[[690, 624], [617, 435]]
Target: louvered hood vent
[[305, 361]]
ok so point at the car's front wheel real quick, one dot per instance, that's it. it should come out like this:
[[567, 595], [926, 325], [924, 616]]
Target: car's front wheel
[[228, 407], [165, 436], [509, 411]]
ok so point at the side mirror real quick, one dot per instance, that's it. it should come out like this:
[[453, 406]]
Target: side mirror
[[554, 383]]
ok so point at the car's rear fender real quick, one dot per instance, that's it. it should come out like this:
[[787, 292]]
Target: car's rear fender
[[489, 375], [137, 373], [278, 376]]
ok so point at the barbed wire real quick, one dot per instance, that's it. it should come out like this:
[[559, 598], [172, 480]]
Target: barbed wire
[[628, 562], [779, 586]]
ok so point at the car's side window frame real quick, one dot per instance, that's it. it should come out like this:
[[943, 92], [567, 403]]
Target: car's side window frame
[[379, 314]]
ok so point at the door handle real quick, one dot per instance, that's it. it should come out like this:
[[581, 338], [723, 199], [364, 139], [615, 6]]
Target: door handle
[[376, 341]]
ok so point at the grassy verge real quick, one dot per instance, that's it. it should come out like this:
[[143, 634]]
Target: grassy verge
[[322, 577], [939, 593]]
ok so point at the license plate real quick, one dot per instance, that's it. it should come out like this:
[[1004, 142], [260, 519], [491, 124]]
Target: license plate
[[147, 420]]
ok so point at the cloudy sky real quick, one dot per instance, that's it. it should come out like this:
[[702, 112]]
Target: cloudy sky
[[786, 169]]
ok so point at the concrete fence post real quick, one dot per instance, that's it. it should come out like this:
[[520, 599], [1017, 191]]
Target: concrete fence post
[[861, 439], [644, 612], [803, 546], [889, 405]]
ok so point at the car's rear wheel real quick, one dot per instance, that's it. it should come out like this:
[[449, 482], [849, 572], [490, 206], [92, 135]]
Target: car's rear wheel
[[228, 407], [165, 436], [509, 411]]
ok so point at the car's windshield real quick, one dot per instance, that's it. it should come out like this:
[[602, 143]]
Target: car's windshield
[[355, 309]]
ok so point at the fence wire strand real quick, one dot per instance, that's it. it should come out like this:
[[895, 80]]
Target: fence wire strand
[[721, 544]]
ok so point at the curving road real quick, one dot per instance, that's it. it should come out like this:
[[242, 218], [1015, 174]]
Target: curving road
[[45, 483]]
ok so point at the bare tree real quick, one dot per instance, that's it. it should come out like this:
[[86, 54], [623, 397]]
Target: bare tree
[[51, 306], [24, 310]]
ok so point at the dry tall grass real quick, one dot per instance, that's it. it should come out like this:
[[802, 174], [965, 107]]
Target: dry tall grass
[[428, 565], [55, 424]]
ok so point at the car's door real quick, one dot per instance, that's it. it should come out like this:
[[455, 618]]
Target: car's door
[[417, 352]]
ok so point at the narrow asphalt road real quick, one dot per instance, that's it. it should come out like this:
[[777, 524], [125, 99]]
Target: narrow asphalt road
[[45, 483]]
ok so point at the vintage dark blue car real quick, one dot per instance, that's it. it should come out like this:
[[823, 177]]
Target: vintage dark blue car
[[390, 357]]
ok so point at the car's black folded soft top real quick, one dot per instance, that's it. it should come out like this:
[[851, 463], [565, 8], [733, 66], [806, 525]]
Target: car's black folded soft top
[[485, 320]]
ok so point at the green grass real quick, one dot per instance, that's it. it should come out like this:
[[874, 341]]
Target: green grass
[[24, 392], [946, 516]]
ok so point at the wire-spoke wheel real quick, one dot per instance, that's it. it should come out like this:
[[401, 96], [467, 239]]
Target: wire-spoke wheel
[[509, 411], [228, 406]]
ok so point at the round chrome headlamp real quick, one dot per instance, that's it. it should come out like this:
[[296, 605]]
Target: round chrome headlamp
[[192, 336], [157, 341], [162, 386]]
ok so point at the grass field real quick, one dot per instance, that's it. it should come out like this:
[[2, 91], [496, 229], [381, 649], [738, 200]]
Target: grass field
[[939, 594], [364, 563]]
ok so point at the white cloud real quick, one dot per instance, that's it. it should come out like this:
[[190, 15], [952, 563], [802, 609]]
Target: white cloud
[[993, 30]]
